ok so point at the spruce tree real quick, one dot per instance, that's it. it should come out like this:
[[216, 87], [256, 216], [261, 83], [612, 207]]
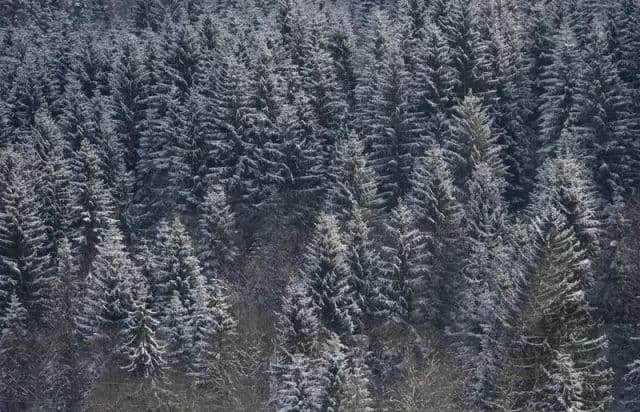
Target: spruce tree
[[91, 205], [142, 348], [108, 295], [558, 100], [129, 104], [562, 363], [14, 357], [472, 142], [438, 216], [298, 321], [217, 235], [363, 261], [327, 275], [404, 271], [26, 269], [390, 144], [299, 386]]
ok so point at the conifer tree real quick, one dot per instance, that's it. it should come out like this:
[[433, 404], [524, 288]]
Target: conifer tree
[[14, 385], [562, 362], [352, 181], [91, 205], [438, 216], [108, 296], [298, 321], [460, 29], [604, 122], [432, 87], [26, 269], [182, 58], [356, 393], [404, 271], [391, 146], [363, 261], [217, 237], [299, 387], [141, 346], [129, 94], [66, 371], [326, 275], [565, 184], [472, 142], [559, 81]]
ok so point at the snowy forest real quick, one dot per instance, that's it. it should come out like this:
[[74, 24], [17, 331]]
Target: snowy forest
[[320, 205]]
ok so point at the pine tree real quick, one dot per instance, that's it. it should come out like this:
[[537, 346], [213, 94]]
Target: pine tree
[[632, 380], [26, 269], [473, 142], [65, 370], [217, 235], [326, 275], [147, 15], [356, 391], [404, 270], [77, 120], [490, 287], [182, 58]]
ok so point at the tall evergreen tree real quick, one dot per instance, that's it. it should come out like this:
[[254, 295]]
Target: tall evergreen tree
[[562, 357], [326, 275], [26, 269], [405, 272]]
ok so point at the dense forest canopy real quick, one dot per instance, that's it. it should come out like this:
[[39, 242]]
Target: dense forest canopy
[[308, 205]]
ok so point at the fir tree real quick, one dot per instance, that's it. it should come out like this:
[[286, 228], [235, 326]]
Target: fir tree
[[299, 387]]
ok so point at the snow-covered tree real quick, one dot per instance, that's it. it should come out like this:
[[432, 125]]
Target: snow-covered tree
[[298, 321], [14, 382], [91, 204], [404, 270], [217, 235], [108, 293], [326, 275], [562, 361], [143, 350], [472, 141], [26, 269]]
